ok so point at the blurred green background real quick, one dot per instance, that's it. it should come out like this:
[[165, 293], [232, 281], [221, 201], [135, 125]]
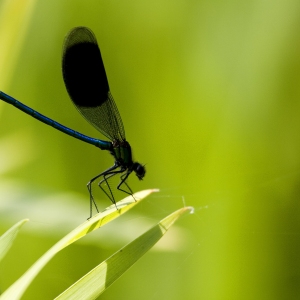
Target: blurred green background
[[209, 94]]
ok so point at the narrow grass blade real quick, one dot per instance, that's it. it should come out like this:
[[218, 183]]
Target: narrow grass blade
[[6, 240], [16, 290], [100, 278]]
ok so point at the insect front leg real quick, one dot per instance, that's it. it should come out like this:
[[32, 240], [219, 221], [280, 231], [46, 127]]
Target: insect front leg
[[123, 181]]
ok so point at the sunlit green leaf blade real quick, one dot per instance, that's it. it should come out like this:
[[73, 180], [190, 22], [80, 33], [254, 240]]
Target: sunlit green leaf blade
[[16, 290], [100, 278], [6, 240]]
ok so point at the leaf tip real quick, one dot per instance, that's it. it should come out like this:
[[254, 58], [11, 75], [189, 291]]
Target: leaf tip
[[191, 209]]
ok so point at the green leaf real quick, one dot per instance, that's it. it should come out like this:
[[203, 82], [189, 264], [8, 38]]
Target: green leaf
[[16, 290], [8, 237], [100, 278]]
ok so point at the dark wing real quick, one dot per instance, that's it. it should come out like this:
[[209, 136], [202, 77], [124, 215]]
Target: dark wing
[[86, 82]]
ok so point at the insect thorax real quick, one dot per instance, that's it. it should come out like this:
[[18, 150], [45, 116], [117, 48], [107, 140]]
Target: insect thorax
[[122, 152]]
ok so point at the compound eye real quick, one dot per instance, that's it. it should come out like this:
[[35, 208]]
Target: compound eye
[[139, 171]]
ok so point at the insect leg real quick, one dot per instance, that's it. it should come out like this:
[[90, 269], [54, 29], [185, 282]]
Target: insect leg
[[123, 181], [106, 176], [89, 187]]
